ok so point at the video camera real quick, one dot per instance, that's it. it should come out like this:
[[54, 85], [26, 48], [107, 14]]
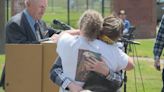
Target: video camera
[[130, 34], [128, 37]]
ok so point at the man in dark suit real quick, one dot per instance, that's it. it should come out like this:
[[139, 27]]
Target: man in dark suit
[[27, 27], [21, 27]]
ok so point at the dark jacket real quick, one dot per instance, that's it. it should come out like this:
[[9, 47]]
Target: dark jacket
[[18, 30]]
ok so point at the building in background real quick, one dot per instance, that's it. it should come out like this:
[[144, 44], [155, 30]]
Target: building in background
[[142, 16]]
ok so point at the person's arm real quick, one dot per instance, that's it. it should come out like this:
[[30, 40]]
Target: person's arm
[[159, 44], [126, 27], [130, 64], [73, 32], [101, 67], [55, 37], [57, 75]]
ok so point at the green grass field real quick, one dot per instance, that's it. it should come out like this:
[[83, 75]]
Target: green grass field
[[151, 78], [58, 10], [56, 14], [145, 49]]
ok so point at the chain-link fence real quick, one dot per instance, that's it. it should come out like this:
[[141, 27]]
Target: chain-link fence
[[69, 11]]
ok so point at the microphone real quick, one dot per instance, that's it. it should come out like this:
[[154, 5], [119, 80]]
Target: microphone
[[64, 26]]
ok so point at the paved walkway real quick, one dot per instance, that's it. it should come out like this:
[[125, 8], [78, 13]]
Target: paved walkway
[[145, 59], [148, 59]]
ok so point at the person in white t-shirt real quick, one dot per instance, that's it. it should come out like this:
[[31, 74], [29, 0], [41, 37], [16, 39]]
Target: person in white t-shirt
[[71, 48]]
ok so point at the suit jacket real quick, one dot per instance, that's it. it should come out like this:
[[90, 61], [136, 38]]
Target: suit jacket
[[18, 30]]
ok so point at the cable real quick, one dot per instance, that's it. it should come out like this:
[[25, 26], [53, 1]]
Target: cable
[[135, 79], [139, 69], [132, 48], [134, 54]]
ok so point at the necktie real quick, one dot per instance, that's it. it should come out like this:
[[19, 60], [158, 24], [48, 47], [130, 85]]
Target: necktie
[[37, 31]]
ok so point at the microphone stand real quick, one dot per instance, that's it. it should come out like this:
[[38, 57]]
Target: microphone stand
[[126, 43], [125, 76]]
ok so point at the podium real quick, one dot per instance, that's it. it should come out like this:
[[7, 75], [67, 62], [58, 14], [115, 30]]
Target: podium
[[28, 67]]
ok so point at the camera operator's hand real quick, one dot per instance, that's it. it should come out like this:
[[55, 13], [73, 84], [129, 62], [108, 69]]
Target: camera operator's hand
[[157, 64]]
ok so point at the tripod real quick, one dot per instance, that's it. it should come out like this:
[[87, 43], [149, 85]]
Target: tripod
[[125, 76], [131, 44]]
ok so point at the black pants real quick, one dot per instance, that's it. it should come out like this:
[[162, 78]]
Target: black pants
[[163, 80]]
